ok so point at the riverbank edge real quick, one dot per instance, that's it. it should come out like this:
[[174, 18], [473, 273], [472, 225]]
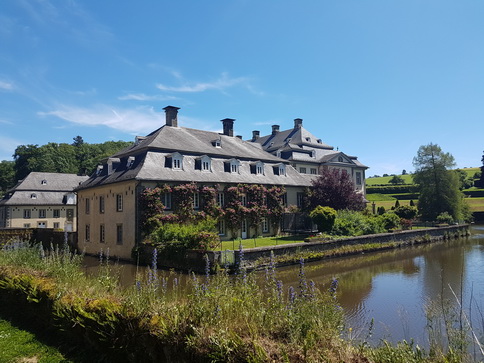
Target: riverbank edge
[[289, 254]]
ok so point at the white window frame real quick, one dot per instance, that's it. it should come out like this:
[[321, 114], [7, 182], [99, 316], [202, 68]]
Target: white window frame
[[265, 225], [119, 202], [303, 170], [220, 199], [27, 213], [314, 171], [56, 213], [177, 161], [196, 200]]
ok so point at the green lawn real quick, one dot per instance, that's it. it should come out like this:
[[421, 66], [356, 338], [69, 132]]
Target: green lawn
[[408, 178], [260, 242], [21, 346], [476, 204], [385, 180]]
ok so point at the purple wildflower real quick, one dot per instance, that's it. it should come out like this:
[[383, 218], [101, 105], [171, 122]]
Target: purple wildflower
[[333, 287], [279, 289], [292, 295]]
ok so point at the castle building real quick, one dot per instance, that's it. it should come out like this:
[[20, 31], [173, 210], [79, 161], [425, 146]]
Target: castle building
[[308, 154], [108, 202], [41, 200]]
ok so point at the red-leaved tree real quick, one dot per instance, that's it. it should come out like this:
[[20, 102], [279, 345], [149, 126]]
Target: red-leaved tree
[[334, 188]]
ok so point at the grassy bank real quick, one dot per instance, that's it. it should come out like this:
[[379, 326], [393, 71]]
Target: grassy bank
[[222, 318], [17, 345]]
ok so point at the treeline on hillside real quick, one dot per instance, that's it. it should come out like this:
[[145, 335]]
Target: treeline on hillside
[[79, 158]]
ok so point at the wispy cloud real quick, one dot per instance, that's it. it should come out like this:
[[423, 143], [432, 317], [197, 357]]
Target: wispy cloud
[[136, 120], [221, 84], [144, 97], [7, 86]]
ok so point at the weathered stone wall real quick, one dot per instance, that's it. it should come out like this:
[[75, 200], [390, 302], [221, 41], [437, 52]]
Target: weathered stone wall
[[411, 236]]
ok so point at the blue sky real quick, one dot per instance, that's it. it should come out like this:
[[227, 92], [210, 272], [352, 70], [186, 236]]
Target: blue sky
[[374, 78]]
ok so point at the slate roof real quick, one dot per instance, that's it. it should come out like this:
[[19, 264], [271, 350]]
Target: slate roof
[[298, 143], [43, 189], [150, 166], [298, 136], [200, 142], [53, 182], [150, 153]]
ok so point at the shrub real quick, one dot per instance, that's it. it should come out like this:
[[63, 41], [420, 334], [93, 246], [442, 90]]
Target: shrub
[[324, 218], [406, 212], [351, 223], [445, 217], [380, 210], [200, 235], [390, 220]]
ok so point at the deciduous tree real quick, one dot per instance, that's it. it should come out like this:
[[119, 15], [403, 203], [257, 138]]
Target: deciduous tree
[[334, 188]]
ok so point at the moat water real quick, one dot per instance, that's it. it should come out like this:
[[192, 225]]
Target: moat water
[[386, 295]]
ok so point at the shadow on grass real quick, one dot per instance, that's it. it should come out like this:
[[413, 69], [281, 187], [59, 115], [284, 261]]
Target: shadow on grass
[[45, 335]]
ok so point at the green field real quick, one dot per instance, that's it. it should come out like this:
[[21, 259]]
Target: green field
[[259, 242], [408, 178]]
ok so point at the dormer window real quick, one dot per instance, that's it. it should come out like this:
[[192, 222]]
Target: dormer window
[[174, 161], [33, 196], [313, 153], [99, 170], [217, 143], [257, 168], [308, 139], [232, 166], [43, 182], [130, 162], [203, 163], [279, 169], [320, 141], [340, 159]]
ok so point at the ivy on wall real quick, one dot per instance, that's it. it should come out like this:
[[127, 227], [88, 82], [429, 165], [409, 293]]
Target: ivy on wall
[[252, 202]]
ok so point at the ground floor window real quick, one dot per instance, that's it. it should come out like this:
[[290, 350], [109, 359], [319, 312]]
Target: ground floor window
[[26, 225], [119, 234], [56, 225], [265, 225], [221, 228], [102, 233], [88, 233], [42, 213]]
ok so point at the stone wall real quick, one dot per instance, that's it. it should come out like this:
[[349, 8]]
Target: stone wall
[[404, 237]]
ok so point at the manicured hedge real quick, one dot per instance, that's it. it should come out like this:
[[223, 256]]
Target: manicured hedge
[[392, 189]]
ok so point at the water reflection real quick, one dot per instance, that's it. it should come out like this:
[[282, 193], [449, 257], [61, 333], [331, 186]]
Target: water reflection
[[392, 287]]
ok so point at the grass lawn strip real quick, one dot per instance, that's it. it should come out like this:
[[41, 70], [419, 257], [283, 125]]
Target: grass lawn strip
[[18, 345]]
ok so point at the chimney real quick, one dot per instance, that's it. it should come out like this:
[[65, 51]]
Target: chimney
[[228, 124], [171, 115], [255, 135], [297, 123], [275, 129], [239, 137]]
